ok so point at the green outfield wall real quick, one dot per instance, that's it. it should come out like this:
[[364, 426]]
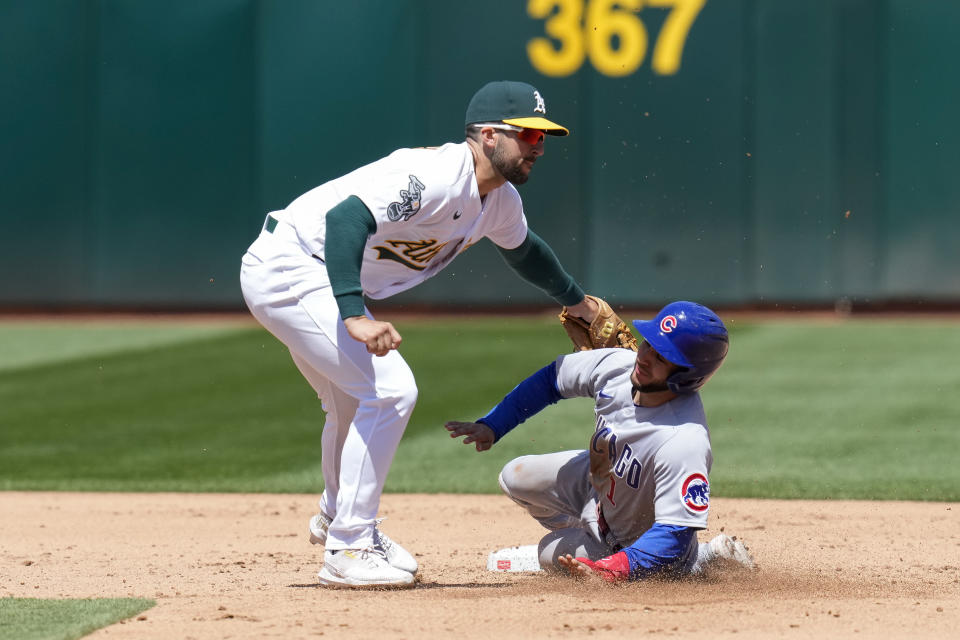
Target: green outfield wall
[[729, 151]]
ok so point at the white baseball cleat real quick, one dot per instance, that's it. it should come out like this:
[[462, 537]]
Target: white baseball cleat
[[359, 568], [723, 546], [397, 556]]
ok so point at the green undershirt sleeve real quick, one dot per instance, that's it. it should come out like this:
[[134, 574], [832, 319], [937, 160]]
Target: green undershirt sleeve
[[349, 224], [535, 262]]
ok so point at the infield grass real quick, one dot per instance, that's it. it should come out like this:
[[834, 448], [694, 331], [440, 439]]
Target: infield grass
[[36, 619], [854, 408]]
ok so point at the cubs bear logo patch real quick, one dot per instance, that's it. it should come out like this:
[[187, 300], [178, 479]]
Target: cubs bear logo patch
[[695, 493]]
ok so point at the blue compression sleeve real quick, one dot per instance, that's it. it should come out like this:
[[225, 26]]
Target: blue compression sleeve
[[658, 549], [527, 398]]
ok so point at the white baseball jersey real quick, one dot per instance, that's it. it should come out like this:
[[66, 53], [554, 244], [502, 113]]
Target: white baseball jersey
[[647, 464], [427, 209]]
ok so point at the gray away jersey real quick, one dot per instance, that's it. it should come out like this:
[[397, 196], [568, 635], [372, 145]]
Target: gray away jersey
[[647, 464]]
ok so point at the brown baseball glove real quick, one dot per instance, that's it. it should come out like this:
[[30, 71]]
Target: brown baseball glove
[[606, 330]]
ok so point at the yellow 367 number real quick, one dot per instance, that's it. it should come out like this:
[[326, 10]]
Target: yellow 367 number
[[582, 28]]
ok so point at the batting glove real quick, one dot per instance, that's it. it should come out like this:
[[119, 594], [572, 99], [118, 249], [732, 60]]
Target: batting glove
[[615, 568]]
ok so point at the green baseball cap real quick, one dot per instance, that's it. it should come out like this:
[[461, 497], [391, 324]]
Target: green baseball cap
[[516, 103]]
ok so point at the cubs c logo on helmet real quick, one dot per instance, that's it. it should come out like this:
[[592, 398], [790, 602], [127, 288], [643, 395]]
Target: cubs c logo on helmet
[[668, 324], [695, 493]]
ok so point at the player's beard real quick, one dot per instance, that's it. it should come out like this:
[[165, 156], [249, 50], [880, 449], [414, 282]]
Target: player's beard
[[651, 388], [654, 385], [512, 171]]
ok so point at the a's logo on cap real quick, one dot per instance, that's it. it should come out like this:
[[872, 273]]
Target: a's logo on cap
[[668, 324], [696, 493], [541, 107]]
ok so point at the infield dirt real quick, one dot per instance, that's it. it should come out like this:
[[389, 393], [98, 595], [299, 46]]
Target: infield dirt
[[240, 566]]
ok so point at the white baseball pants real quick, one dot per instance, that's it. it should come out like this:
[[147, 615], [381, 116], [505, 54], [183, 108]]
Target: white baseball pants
[[368, 400]]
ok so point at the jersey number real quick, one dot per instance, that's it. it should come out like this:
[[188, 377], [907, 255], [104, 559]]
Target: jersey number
[[613, 486]]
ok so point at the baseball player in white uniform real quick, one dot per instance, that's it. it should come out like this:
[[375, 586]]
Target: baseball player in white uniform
[[375, 232], [628, 506]]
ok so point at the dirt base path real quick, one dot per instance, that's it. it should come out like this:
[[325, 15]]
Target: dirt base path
[[240, 566]]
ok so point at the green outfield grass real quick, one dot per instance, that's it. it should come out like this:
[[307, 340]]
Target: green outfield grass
[[34, 619], [801, 409]]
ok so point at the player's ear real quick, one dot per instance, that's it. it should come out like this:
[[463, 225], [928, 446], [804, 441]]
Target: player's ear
[[488, 137]]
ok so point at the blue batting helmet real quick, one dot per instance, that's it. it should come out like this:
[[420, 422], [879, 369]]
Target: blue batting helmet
[[688, 335]]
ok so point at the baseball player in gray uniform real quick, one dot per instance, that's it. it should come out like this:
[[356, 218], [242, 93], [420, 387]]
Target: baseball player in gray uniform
[[628, 506], [375, 232]]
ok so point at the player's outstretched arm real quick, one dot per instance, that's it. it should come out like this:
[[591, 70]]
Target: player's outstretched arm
[[658, 549], [535, 262], [526, 399], [477, 433]]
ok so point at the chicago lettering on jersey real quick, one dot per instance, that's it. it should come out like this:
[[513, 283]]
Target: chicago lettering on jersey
[[622, 465]]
